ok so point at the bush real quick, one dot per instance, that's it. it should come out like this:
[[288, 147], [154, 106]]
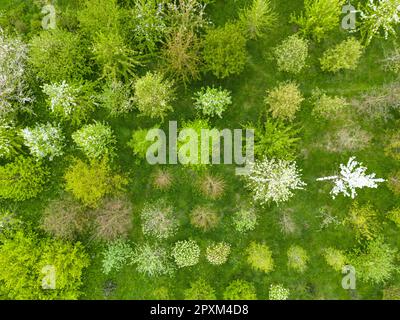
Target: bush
[[218, 253], [259, 256], [394, 215], [258, 18], [116, 98], [392, 148], [200, 290], [57, 55], [22, 179], [291, 54], [152, 260], [95, 140], [186, 253], [392, 61], [245, 220], [139, 144], [335, 258], [376, 263], [240, 290], [284, 101], [363, 220], [319, 17], [89, 183], [204, 218], [113, 219], [297, 258], [10, 141], [116, 255], [278, 292], [212, 101], [394, 182], [162, 179], [344, 56], [225, 51], [327, 107], [153, 95], [159, 220], [212, 187], [44, 141], [391, 293]]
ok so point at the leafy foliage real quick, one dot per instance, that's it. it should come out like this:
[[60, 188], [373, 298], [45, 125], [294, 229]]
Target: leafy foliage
[[212, 101], [245, 220], [259, 256], [116, 98], [116, 255], [335, 258], [186, 253], [200, 290], [291, 54], [240, 290], [278, 292], [327, 107], [297, 258], [204, 218], [218, 253], [152, 260], [363, 220]]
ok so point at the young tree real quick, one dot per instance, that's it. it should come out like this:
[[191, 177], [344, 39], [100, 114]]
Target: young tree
[[278, 292], [212, 101], [139, 143], [363, 220], [352, 177], [186, 253], [218, 253], [200, 290], [335, 258], [10, 141], [273, 180], [245, 220], [117, 98], [297, 258], [327, 107], [240, 290], [204, 218], [259, 256], [212, 186], [291, 54], [116, 255]]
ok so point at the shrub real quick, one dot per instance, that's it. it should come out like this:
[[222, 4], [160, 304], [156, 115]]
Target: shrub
[[278, 292], [211, 101], [392, 61], [259, 256], [113, 219], [394, 215], [245, 220], [70, 102], [95, 140], [225, 51], [319, 17], [273, 180], [152, 260], [44, 141], [89, 183], [376, 263], [240, 290], [57, 55], [64, 218], [284, 101], [327, 107], [394, 182], [363, 220], [139, 144], [391, 293], [204, 218], [212, 187], [186, 253], [392, 148], [344, 56], [335, 258], [153, 95], [22, 179], [297, 258], [287, 224], [291, 54], [159, 220], [162, 179], [218, 253], [10, 141], [200, 290], [258, 18], [116, 98], [116, 255]]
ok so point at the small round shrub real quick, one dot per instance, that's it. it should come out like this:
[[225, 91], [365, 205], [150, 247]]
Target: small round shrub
[[139, 144], [218, 253], [327, 107], [116, 98], [212, 101], [162, 179], [334, 258], [212, 187], [186, 253], [297, 258], [363, 220], [394, 182], [116, 255], [245, 220], [10, 141], [391, 293], [204, 218], [152, 260], [200, 290], [284, 100], [240, 290], [394, 215], [259, 256], [291, 54], [278, 292], [392, 148]]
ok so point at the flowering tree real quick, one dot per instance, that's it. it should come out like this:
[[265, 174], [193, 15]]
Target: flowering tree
[[273, 180], [278, 292], [351, 177], [44, 141]]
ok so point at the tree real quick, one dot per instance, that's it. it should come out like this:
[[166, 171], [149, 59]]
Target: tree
[[278, 292], [116, 98], [394, 182], [154, 95], [57, 55], [240, 290], [22, 179], [284, 100], [89, 183], [44, 141], [162, 179], [259, 256], [139, 143], [212, 101], [319, 17], [212, 186], [200, 290], [394, 215], [392, 148], [204, 218], [116, 255], [225, 51], [95, 140], [344, 56], [258, 18], [27, 262], [10, 141], [291, 54], [297, 258], [352, 177], [218, 253], [159, 220], [273, 180], [363, 220], [327, 107], [335, 258], [186, 253], [245, 220]]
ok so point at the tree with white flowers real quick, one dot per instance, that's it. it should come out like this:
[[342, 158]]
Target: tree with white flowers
[[352, 176], [273, 180]]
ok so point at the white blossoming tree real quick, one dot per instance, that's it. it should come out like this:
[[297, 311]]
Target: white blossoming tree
[[44, 141], [352, 176], [14, 93], [273, 180]]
